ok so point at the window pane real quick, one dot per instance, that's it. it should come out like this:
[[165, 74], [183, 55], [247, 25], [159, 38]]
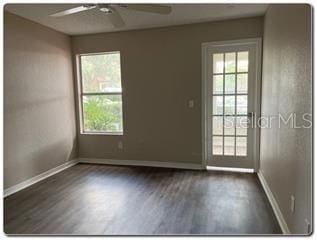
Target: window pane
[[218, 63], [229, 105], [229, 125], [101, 73], [243, 61], [230, 84], [102, 113], [242, 126], [217, 145], [241, 148], [217, 125], [242, 83], [230, 65], [242, 104], [229, 146], [218, 84], [217, 105]]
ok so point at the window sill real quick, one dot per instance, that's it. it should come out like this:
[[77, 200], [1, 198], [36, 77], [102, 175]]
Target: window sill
[[103, 133]]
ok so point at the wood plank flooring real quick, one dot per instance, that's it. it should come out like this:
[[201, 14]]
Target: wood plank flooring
[[105, 200]]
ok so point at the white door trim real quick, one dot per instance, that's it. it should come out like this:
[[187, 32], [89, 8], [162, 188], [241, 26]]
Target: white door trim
[[206, 100]]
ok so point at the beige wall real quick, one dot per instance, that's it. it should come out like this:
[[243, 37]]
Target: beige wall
[[39, 119], [285, 159], [161, 71]]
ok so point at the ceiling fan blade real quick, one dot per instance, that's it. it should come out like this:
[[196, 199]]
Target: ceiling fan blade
[[152, 8], [115, 18], [73, 10]]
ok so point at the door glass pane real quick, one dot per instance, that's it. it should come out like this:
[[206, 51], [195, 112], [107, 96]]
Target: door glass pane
[[230, 65], [241, 148], [229, 105], [242, 83], [217, 145], [243, 61], [217, 125], [218, 84], [229, 146], [230, 84], [242, 104], [217, 105], [229, 125], [218, 63], [230, 80], [242, 126]]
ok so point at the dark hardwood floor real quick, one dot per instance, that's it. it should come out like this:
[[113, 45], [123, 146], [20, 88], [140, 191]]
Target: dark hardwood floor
[[100, 199]]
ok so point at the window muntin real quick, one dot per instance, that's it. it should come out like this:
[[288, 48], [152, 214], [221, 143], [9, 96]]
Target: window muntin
[[101, 93]]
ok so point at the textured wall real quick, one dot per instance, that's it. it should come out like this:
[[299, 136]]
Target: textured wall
[[161, 71], [285, 159], [39, 119]]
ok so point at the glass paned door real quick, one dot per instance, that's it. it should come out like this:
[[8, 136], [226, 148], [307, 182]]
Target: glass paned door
[[231, 103]]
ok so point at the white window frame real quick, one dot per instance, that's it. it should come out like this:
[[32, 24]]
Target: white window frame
[[81, 94]]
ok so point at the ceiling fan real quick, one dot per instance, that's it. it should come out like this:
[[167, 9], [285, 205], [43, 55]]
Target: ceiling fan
[[111, 12]]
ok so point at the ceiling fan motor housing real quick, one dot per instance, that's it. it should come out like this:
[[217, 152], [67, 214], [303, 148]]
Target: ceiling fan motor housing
[[104, 8]]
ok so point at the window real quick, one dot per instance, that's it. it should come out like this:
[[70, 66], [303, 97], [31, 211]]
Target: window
[[101, 93]]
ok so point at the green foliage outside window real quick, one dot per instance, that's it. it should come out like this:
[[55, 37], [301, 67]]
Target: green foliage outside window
[[103, 113]]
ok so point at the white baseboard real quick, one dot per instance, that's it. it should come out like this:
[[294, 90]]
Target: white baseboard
[[274, 204], [40, 177], [230, 169], [142, 163]]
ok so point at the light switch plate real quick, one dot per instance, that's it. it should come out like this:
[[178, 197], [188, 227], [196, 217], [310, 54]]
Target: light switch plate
[[191, 103]]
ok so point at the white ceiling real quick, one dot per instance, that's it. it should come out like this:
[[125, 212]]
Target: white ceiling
[[94, 21]]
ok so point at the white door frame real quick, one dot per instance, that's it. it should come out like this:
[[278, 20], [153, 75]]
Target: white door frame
[[206, 141]]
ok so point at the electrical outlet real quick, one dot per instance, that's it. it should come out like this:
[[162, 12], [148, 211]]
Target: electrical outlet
[[191, 103], [120, 145], [292, 204], [307, 226]]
